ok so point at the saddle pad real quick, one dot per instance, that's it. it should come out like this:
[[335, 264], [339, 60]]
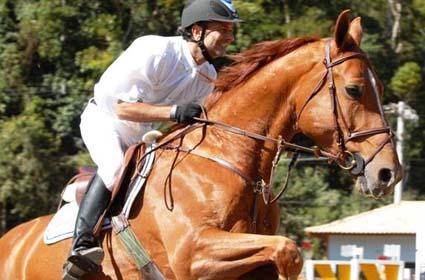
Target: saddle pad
[[63, 222]]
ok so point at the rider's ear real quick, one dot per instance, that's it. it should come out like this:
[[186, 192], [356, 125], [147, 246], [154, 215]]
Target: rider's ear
[[341, 35], [356, 30], [196, 32]]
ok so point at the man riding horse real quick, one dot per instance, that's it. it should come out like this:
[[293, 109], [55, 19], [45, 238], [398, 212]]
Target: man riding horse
[[204, 213], [155, 79]]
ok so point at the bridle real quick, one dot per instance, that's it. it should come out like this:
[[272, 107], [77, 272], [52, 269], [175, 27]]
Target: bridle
[[344, 158], [353, 162]]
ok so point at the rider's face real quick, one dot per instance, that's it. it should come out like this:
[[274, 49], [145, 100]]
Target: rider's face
[[218, 36]]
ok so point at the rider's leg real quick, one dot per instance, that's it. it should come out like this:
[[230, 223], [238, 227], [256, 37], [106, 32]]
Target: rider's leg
[[92, 207], [86, 253], [107, 151]]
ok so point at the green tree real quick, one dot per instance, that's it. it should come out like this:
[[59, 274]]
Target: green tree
[[407, 81], [30, 170]]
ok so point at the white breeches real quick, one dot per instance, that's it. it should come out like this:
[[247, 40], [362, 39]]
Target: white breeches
[[103, 143]]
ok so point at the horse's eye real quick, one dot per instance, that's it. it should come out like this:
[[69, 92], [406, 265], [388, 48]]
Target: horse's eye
[[354, 91]]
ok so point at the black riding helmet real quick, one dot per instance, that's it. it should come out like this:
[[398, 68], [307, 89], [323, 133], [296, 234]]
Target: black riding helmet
[[202, 11], [209, 10]]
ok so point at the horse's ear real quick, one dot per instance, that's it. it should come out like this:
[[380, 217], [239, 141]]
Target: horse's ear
[[342, 26], [356, 30]]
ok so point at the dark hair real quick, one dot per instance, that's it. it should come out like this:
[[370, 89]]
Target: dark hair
[[186, 33]]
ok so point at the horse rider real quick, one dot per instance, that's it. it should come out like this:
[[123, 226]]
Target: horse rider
[[155, 79]]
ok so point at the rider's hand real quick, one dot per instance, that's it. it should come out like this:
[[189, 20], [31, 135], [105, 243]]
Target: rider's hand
[[185, 113]]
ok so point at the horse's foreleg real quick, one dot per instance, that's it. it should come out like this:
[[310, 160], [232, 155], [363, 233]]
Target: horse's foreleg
[[218, 254]]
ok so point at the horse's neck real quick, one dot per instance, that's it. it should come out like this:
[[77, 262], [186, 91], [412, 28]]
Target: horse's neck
[[264, 105]]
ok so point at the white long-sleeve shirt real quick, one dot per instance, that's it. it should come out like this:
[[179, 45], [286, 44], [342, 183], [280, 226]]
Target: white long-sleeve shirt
[[155, 70]]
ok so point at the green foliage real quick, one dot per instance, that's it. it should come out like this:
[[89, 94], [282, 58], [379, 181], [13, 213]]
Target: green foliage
[[308, 201], [30, 169], [407, 80], [10, 80], [312, 22]]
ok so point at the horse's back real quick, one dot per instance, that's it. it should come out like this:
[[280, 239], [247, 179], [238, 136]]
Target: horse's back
[[22, 250]]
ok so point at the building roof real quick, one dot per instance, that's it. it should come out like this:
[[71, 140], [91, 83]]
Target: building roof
[[401, 218]]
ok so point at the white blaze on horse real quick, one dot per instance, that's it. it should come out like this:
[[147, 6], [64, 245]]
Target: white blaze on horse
[[195, 215]]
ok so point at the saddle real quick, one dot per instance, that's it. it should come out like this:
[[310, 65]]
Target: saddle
[[77, 186], [125, 189]]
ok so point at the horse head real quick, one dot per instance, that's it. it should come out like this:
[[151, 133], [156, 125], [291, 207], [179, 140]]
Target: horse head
[[323, 88], [344, 114]]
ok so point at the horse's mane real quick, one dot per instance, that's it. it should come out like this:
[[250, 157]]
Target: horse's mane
[[244, 64]]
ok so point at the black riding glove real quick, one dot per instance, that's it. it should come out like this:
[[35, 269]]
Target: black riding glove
[[185, 113]]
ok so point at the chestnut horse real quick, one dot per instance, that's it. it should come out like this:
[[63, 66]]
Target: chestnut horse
[[196, 213]]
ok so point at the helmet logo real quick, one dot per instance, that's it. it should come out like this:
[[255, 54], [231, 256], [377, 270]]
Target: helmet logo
[[228, 4]]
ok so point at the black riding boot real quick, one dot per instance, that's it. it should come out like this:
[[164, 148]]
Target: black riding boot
[[86, 252]]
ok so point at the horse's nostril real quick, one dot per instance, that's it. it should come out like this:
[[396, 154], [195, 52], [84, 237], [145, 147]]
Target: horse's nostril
[[385, 175]]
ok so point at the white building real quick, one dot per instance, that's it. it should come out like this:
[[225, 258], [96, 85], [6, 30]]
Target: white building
[[391, 224]]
